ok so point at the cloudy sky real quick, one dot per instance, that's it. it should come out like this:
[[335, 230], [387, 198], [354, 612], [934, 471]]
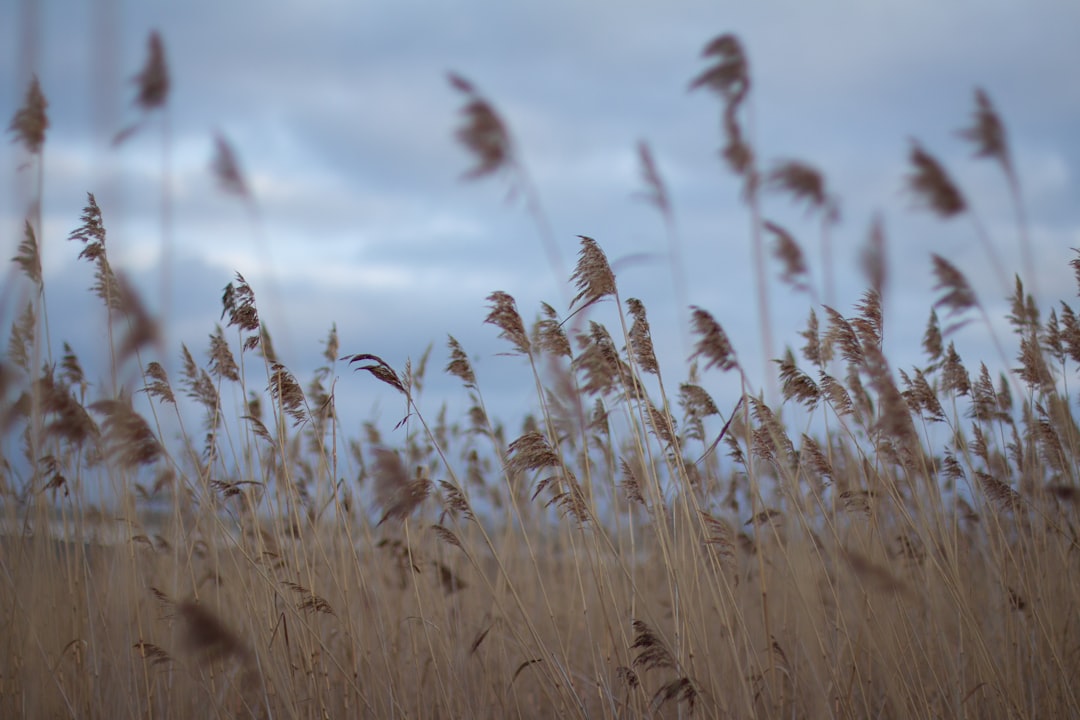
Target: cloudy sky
[[343, 121]]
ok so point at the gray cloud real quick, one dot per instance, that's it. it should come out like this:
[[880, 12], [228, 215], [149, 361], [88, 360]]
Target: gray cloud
[[344, 122]]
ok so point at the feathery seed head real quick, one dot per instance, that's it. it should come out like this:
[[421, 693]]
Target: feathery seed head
[[987, 132], [504, 315], [31, 120], [483, 132], [713, 343], [593, 275], [153, 79], [641, 338], [930, 184]]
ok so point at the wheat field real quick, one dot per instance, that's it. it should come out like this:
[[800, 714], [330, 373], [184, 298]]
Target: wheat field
[[853, 540]]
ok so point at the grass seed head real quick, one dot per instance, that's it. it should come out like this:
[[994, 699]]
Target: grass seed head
[[31, 120]]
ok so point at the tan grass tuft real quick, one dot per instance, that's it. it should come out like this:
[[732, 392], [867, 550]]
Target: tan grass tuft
[[958, 295], [681, 689], [483, 132], [1023, 314], [21, 341], [504, 315], [952, 470], [459, 365], [29, 259], [768, 516], [869, 324], [662, 425], [931, 185], [769, 439], [985, 403], [238, 302], [920, 396], [932, 341], [631, 483], [106, 284], [226, 169], [1075, 265], [894, 418], [720, 535], [70, 421], [395, 493], [56, 480], [954, 376], [447, 536], [1033, 369], [153, 654], [158, 383], [456, 502], [406, 500], [815, 351], [653, 652], [697, 401], [628, 677], [379, 369], [71, 370], [259, 428], [1050, 445], [1000, 495], [873, 258], [656, 191], [1070, 333], [861, 398], [131, 441], [713, 344], [309, 601], [729, 77], [31, 120], [795, 384], [592, 276], [531, 451], [153, 79], [857, 501], [805, 184], [599, 361], [222, 363], [796, 274], [641, 338], [199, 386], [987, 132], [1053, 337], [814, 457], [549, 335], [92, 230], [842, 336], [152, 84], [566, 495]]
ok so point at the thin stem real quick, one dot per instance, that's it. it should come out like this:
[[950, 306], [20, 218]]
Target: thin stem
[[547, 237], [166, 226], [1026, 249]]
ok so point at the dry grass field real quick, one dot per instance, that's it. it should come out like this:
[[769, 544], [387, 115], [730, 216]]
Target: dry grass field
[[910, 549]]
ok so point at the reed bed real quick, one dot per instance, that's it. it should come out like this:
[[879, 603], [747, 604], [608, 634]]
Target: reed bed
[[908, 548]]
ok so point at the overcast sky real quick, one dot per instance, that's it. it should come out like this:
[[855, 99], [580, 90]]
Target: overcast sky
[[343, 120]]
